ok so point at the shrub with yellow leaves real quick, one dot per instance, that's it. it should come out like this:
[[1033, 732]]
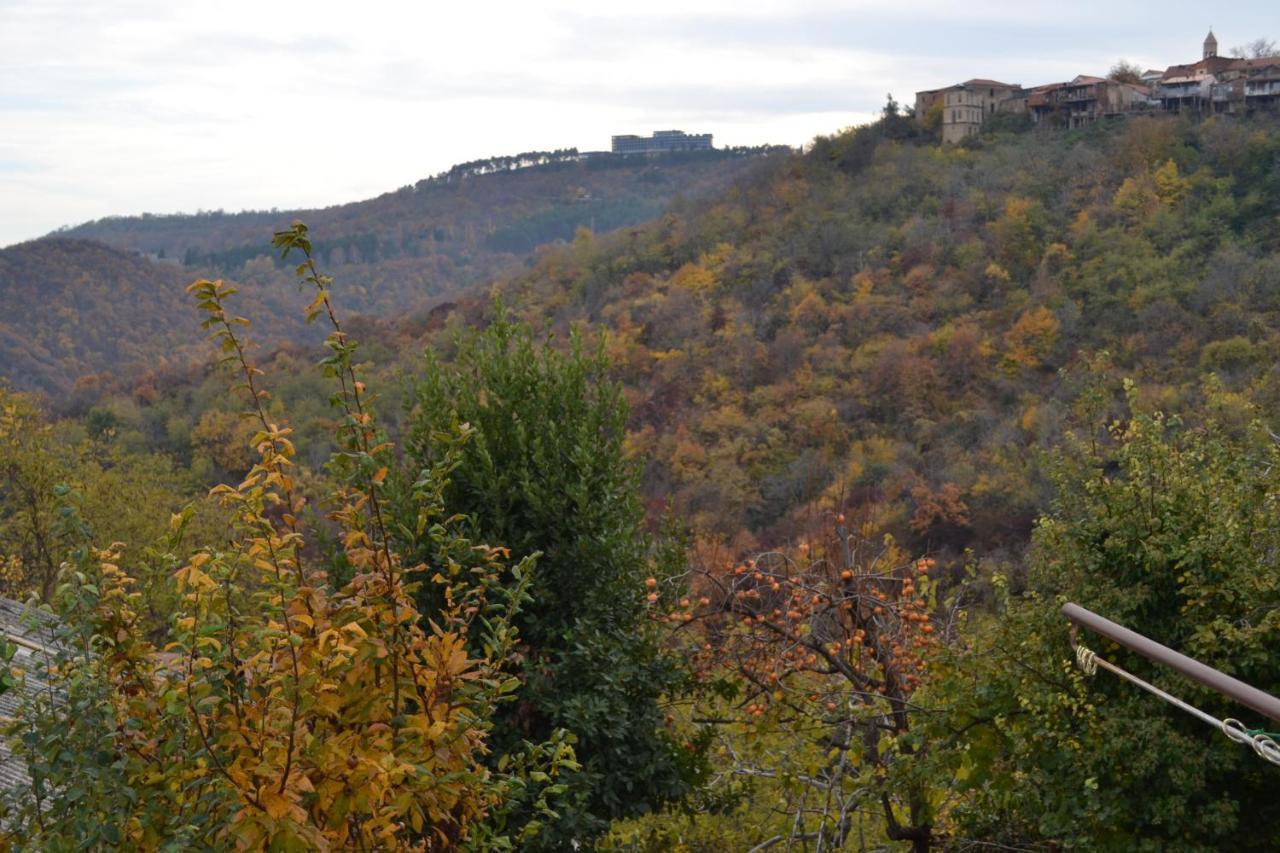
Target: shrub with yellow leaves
[[285, 713]]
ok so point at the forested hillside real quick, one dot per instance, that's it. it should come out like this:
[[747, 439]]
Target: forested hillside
[[76, 311], [498, 206], [889, 323], [48, 329], [441, 234], [885, 321], [397, 251], [744, 527]]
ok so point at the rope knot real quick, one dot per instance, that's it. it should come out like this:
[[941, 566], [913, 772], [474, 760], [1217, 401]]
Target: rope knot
[[1087, 659]]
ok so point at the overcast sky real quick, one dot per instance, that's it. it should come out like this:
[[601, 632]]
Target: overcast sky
[[130, 106]]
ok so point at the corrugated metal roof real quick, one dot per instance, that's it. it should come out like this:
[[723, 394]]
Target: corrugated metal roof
[[31, 630]]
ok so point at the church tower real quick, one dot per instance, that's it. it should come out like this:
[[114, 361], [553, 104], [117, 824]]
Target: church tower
[[1210, 45]]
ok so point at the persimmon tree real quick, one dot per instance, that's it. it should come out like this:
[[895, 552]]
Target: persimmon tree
[[286, 712], [832, 638]]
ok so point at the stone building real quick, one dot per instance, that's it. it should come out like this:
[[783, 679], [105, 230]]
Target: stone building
[[1078, 102], [925, 100], [1262, 88], [1212, 85], [966, 106], [1217, 84]]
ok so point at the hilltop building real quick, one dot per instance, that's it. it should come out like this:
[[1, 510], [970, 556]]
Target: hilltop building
[[1262, 89], [1084, 100], [662, 142], [1213, 85], [967, 105], [1219, 84]]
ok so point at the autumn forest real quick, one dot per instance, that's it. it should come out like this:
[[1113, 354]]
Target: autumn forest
[[709, 501]]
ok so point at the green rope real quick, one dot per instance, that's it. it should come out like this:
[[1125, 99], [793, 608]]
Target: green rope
[[1263, 732]]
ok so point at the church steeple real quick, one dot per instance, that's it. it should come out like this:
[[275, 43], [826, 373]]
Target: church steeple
[[1210, 45]]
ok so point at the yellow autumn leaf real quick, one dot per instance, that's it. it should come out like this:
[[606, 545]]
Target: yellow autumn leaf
[[191, 577], [276, 805]]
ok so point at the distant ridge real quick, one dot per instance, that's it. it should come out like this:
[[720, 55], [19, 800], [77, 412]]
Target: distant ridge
[[108, 297]]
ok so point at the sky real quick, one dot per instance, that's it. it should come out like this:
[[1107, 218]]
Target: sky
[[120, 107]]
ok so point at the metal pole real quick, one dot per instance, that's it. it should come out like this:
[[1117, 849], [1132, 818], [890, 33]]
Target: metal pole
[[1252, 697]]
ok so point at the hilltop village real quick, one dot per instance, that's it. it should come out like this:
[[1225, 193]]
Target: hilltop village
[[1213, 85]]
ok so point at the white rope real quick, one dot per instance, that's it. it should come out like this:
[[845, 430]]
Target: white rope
[[1262, 744], [1087, 659]]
